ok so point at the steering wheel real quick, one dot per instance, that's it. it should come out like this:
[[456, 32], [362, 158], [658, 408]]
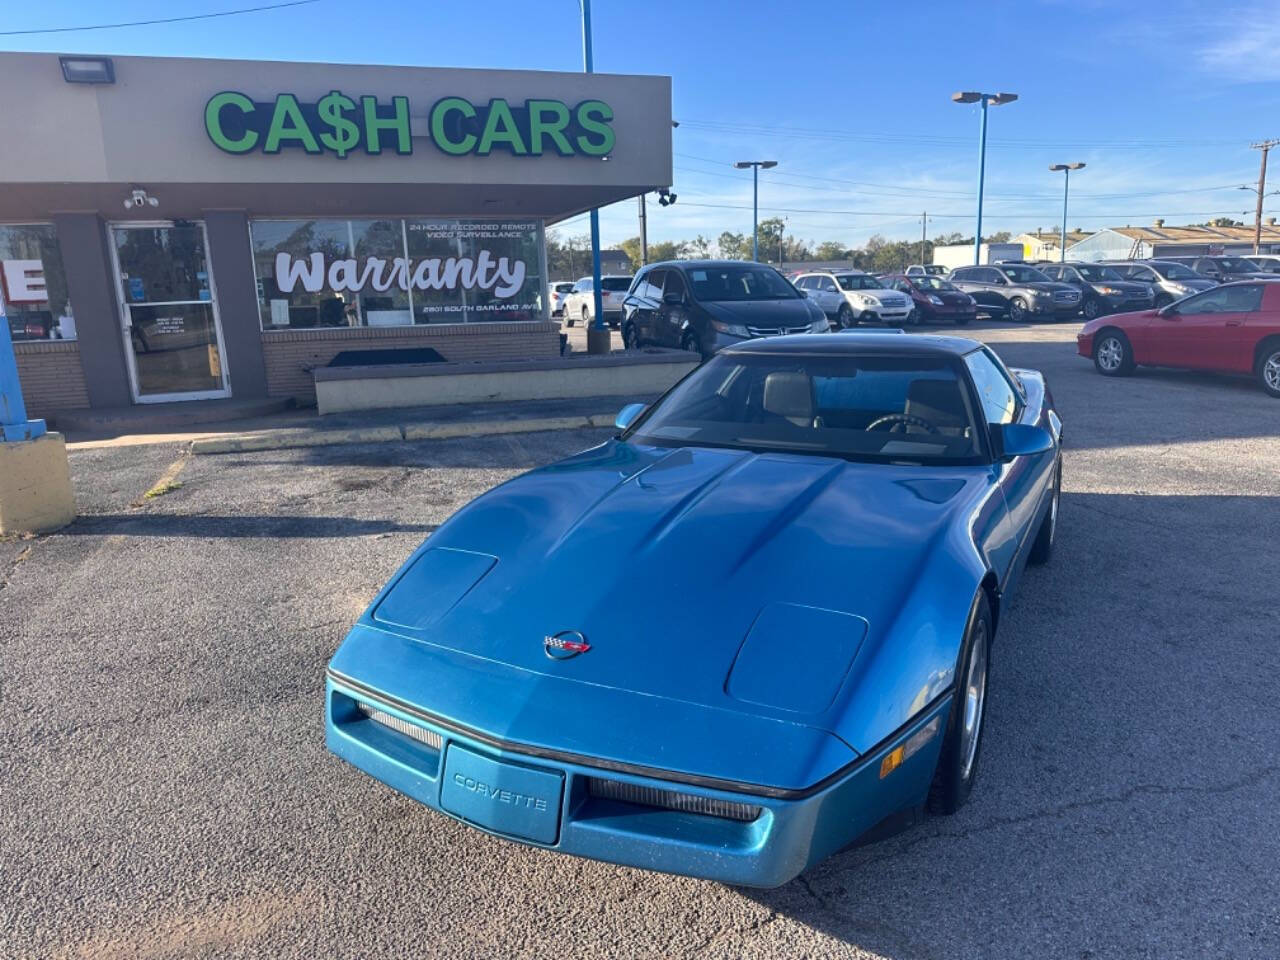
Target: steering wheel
[[903, 420]]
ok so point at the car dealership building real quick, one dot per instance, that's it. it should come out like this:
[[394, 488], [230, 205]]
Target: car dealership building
[[177, 229]]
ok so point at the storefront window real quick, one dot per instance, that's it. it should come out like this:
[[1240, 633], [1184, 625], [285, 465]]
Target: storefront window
[[328, 273], [34, 283]]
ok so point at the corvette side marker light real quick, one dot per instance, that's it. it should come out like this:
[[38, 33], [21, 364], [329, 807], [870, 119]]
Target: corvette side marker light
[[899, 755]]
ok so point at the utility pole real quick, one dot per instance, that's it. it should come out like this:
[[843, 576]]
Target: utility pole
[[1265, 146], [924, 220], [644, 234]]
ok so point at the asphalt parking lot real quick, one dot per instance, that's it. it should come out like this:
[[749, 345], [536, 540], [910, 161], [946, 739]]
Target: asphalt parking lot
[[166, 791]]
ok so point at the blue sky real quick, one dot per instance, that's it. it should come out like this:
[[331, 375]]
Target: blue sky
[[852, 98]]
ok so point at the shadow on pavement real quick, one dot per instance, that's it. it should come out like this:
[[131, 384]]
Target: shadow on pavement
[[204, 525]]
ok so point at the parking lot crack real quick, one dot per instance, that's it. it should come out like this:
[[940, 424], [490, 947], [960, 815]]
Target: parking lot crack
[[12, 567]]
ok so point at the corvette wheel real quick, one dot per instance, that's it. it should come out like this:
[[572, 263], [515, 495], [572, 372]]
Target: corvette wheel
[[844, 319], [1017, 309], [958, 763], [1269, 369], [1112, 355], [1042, 548]]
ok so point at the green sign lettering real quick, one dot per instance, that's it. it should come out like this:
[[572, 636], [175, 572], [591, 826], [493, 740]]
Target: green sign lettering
[[339, 124], [375, 124], [540, 126], [289, 125], [594, 116], [500, 127], [439, 131], [213, 122]]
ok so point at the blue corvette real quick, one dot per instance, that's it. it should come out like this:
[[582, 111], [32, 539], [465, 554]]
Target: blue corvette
[[728, 642]]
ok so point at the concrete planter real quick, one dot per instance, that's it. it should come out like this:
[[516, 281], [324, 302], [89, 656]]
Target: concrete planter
[[631, 373]]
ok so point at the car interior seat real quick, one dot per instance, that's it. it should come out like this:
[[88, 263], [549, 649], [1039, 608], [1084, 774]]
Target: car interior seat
[[788, 395], [941, 403]]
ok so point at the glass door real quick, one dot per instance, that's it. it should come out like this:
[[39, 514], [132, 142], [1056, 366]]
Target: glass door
[[172, 336]]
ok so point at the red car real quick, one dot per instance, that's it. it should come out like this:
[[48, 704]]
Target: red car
[[1233, 328]]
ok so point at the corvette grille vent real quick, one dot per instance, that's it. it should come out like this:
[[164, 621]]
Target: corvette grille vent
[[671, 800], [421, 734]]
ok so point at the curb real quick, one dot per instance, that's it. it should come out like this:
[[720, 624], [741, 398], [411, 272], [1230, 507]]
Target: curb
[[391, 433]]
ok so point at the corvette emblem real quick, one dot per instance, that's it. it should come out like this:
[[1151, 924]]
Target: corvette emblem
[[565, 645]]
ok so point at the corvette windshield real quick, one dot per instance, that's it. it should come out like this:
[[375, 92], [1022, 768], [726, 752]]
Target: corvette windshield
[[886, 409]]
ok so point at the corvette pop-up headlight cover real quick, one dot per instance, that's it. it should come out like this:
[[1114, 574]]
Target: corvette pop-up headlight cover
[[431, 585]]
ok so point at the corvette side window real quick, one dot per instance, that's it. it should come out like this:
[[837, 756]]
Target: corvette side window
[[999, 399]]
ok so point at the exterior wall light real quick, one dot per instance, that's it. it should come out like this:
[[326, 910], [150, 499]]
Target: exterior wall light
[[87, 69]]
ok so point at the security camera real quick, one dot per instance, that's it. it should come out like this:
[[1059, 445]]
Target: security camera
[[666, 198], [139, 198]]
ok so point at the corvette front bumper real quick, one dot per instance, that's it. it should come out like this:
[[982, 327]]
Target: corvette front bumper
[[558, 803]]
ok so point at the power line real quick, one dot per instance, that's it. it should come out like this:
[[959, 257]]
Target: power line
[[150, 23]]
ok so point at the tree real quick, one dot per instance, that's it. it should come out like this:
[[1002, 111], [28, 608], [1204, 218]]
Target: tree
[[631, 247], [734, 246], [700, 247], [1224, 222], [832, 250], [1004, 236], [667, 250], [567, 257]]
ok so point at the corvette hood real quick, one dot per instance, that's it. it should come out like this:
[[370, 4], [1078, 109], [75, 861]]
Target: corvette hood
[[668, 560]]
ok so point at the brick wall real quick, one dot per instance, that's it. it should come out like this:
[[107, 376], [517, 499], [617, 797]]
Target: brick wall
[[291, 354], [51, 376]]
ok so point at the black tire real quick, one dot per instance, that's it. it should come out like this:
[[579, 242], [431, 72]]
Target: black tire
[[1268, 367], [963, 321], [1017, 310], [1112, 354], [1091, 309], [844, 319], [690, 342], [630, 337], [957, 768], [1042, 548], [915, 317], [586, 315]]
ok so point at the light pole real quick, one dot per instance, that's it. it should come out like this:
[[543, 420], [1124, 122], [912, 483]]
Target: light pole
[[756, 166], [995, 99], [598, 333], [1066, 169]]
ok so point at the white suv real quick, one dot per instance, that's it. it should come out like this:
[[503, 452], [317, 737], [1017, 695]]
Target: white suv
[[579, 303], [850, 297]]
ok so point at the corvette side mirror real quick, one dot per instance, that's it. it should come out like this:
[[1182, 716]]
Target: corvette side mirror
[[1170, 311], [1019, 440], [627, 415]]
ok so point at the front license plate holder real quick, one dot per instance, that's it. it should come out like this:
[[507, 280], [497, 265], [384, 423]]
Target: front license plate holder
[[506, 798]]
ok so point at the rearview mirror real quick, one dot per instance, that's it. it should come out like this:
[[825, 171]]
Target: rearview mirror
[[627, 415], [1020, 440]]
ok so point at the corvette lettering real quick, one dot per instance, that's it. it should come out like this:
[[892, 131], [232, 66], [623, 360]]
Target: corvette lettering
[[498, 795]]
